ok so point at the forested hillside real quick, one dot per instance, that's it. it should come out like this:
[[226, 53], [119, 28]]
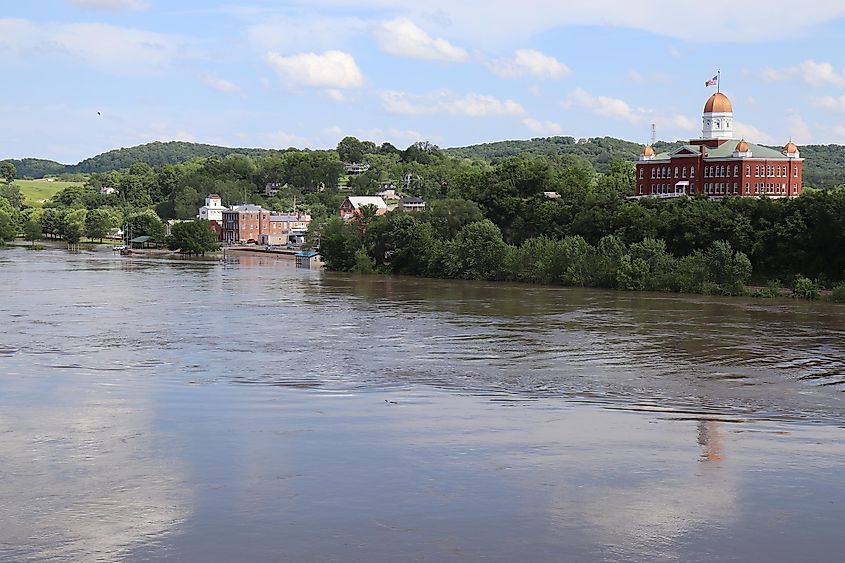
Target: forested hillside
[[824, 166], [154, 154]]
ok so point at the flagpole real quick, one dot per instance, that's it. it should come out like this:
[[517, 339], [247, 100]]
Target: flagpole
[[718, 80]]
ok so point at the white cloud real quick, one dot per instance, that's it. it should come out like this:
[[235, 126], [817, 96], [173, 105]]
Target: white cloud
[[544, 128], [812, 72], [332, 69], [535, 91], [528, 62], [492, 22], [603, 106], [336, 95], [401, 37], [287, 33], [113, 5], [615, 108], [831, 103], [284, 139], [105, 47], [471, 105], [751, 133], [219, 84], [799, 131]]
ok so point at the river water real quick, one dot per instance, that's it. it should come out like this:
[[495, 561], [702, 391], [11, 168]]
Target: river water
[[244, 410]]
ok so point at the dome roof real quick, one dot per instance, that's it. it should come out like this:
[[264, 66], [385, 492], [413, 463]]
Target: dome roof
[[648, 151], [790, 147], [718, 103], [741, 146]]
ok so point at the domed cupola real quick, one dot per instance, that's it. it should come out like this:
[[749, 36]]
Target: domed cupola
[[647, 153], [742, 150], [717, 121], [791, 150]]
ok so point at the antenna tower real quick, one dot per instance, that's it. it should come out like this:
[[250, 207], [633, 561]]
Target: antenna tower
[[653, 134]]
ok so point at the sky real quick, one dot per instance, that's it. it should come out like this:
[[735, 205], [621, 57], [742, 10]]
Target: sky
[[81, 77]]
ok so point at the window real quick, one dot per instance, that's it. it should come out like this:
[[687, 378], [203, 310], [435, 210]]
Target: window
[[684, 171], [676, 172], [795, 172], [692, 172], [736, 188], [642, 173], [748, 170], [736, 170], [653, 172], [757, 170]]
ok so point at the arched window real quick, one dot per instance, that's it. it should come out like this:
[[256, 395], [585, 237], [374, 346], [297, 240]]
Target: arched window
[[684, 171], [736, 170]]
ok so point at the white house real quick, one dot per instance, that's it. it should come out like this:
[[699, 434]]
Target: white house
[[351, 205], [213, 209]]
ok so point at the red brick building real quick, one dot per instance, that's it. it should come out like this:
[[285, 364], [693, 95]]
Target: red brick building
[[718, 165], [246, 223]]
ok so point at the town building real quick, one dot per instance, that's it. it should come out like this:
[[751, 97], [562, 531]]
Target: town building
[[247, 223], [213, 209], [412, 203], [719, 165], [352, 205]]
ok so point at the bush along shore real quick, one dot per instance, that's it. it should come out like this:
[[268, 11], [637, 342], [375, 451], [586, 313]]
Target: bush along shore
[[402, 243]]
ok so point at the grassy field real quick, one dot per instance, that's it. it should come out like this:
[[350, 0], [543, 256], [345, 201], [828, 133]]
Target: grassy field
[[36, 192]]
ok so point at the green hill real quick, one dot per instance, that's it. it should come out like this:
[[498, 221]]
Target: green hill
[[172, 152], [824, 166]]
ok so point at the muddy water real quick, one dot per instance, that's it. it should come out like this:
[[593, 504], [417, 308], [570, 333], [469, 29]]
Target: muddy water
[[246, 410]]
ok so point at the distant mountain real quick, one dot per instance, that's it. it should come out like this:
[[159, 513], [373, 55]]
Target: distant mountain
[[824, 166]]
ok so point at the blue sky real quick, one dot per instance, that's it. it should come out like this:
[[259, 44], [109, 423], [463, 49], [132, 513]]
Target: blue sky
[[280, 73]]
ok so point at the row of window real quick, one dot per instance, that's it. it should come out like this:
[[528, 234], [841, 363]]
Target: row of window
[[720, 188], [718, 171]]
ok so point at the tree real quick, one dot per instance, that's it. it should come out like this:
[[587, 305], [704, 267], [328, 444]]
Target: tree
[[32, 230], [99, 222], [193, 237], [350, 149], [146, 223], [12, 193], [8, 226], [8, 172], [72, 232]]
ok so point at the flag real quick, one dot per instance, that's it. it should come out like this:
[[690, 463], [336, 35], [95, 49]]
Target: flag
[[713, 81]]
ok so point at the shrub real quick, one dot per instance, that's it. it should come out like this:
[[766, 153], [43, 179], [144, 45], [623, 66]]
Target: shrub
[[805, 288], [838, 294]]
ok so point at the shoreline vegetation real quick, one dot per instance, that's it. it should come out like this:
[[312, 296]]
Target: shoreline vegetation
[[555, 219]]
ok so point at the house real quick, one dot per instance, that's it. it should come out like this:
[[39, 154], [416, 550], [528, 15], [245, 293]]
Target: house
[[352, 205], [107, 190], [355, 168], [273, 188], [387, 191], [552, 195], [412, 204], [213, 209]]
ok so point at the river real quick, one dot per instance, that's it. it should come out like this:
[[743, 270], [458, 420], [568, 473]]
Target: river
[[245, 410]]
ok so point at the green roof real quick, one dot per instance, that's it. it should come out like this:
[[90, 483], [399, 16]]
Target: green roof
[[726, 150]]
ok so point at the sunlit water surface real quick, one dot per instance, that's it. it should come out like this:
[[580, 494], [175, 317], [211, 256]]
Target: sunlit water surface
[[244, 410]]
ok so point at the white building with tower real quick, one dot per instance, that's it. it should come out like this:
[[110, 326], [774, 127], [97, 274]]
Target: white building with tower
[[213, 209]]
